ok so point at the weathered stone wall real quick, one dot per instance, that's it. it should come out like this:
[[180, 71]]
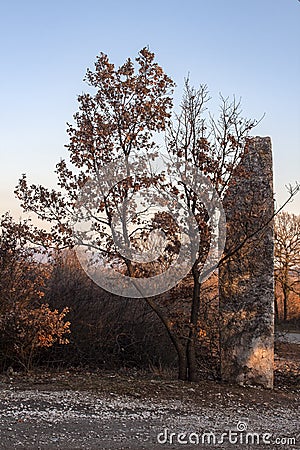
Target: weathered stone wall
[[246, 279]]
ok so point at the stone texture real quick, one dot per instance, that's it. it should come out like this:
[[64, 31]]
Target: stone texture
[[246, 279]]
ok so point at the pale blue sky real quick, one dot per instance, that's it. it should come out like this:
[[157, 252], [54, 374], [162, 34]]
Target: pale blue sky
[[246, 48]]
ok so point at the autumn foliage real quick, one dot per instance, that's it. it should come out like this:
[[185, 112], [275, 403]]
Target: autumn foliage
[[26, 323]]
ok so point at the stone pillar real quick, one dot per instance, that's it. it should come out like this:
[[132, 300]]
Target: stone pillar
[[246, 279]]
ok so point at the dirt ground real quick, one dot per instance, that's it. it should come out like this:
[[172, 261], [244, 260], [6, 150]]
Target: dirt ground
[[129, 410]]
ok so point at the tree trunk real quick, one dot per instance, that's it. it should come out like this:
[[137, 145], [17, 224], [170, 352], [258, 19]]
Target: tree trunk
[[276, 309], [191, 359], [182, 364], [191, 345], [180, 349], [286, 293]]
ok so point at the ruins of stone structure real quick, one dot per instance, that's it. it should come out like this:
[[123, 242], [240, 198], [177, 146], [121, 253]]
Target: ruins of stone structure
[[246, 279]]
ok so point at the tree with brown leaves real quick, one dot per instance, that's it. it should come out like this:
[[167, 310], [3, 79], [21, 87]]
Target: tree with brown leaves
[[117, 127]]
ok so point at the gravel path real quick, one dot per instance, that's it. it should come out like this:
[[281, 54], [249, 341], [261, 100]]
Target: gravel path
[[53, 418], [293, 338]]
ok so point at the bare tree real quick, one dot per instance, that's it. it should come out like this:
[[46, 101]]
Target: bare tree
[[287, 258]]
